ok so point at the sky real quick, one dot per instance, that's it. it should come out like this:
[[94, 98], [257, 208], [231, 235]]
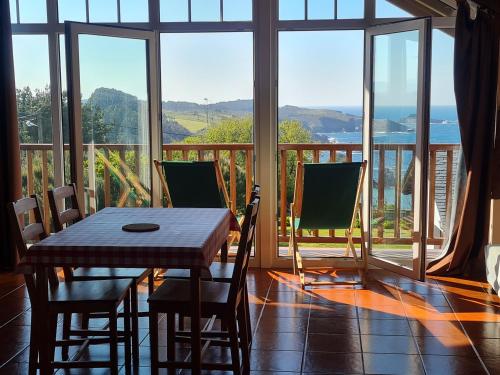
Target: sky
[[316, 68]]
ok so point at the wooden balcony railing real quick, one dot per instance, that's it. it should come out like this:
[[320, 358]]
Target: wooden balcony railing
[[237, 166]]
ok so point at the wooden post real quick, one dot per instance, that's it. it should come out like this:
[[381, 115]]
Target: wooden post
[[248, 174], [232, 179], [45, 189], [432, 193], [283, 187], [30, 187], [381, 192], [397, 194], [106, 182]]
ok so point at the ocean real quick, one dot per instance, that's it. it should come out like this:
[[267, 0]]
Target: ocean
[[444, 129]]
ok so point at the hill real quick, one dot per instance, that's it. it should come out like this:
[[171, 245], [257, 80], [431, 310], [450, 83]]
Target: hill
[[122, 112]]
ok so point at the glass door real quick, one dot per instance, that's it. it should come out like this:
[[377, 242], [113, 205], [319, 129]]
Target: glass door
[[395, 144], [113, 99]]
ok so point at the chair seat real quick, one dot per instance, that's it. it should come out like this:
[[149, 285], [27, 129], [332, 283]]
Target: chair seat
[[89, 293], [97, 273], [175, 295], [218, 272]]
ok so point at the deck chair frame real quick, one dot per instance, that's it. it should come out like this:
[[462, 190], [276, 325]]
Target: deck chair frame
[[233, 235], [357, 264]]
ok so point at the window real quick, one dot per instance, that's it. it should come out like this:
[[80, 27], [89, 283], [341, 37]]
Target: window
[[207, 93], [72, 10], [134, 11], [103, 11], [34, 113], [205, 10], [350, 9], [320, 9], [237, 10], [174, 11], [318, 104], [291, 10], [13, 11], [32, 11]]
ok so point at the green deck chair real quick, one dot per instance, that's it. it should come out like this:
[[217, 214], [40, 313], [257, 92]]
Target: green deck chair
[[196, 184], [327, 196]]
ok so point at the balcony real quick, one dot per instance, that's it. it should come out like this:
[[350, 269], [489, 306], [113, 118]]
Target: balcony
[[118, 163]]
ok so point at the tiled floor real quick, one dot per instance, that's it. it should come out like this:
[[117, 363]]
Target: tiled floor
[[395, 326]]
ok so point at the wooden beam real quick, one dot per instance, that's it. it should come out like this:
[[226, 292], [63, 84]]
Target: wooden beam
[[422, 8]]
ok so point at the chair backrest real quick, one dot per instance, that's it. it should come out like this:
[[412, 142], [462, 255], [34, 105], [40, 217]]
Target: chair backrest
[[194, 184], [23, 234], [328, 194], [64, 217], [244, 250], [61, 216]]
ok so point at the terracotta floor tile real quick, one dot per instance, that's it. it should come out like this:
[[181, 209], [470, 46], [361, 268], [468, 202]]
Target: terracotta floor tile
[[445, 345], [279, 324], [276, 360], [367, 313], [492, 364], [333, 363], [333, 343], [338, 326], [388, 344], [436, 328], [392, 364], [333, 311], [384, 327], [290, 311], [435, 364], [487, 347], [482, 329], [279, 341]]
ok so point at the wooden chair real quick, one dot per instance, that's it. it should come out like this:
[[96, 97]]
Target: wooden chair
[[327, 196], [219, 271], [224, 300], [181, 181], [63, 217], [71, 297]]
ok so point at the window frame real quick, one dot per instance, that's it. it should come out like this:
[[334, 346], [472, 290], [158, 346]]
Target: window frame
[[265, 26]]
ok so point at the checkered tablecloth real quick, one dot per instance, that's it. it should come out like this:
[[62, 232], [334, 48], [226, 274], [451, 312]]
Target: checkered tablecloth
[[187, 238]]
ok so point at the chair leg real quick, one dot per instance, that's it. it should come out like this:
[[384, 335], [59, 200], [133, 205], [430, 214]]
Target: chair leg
[[135, 324], [243, 319], [151, 282], [126, 333], [153, 341], [52, 340], [65, 333], [233, 338], [113, 343], [247, 314], [171, 340], [85, 323], [181, 322], [33, 347], [224, 252]]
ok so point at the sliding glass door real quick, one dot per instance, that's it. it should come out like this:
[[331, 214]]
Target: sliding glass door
[[395, 143], [113, 104]]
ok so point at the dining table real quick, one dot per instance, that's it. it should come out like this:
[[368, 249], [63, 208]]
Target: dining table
[[187, 238]]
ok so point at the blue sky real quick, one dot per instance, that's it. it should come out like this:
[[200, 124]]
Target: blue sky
[[321, 68]]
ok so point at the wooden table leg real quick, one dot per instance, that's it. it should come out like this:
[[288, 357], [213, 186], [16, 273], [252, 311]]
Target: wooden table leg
[[196, 321], [224, 251], [41, 310]]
